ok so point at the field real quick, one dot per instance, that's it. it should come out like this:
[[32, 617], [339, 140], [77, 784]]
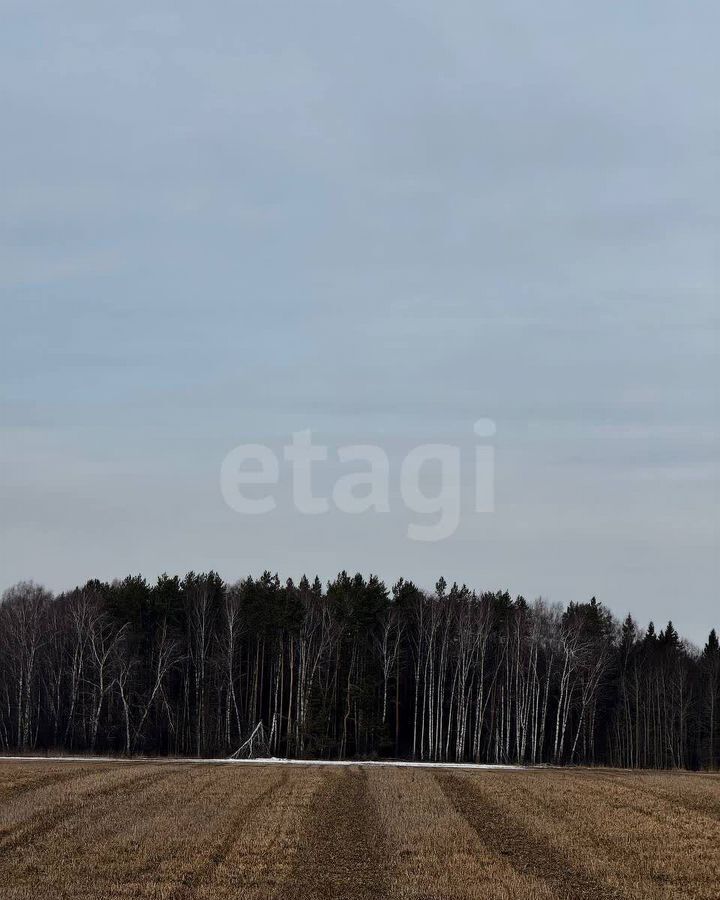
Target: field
[[176, 830]]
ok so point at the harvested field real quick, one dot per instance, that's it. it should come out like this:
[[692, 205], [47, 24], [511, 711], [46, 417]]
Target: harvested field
[[172, 830]]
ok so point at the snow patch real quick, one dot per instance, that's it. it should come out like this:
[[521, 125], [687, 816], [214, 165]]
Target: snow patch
[[267, 761]]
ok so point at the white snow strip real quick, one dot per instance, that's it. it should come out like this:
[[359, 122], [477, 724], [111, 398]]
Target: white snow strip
[[269, 761]]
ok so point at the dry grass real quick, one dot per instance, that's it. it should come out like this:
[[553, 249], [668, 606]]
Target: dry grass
[[171, 830]]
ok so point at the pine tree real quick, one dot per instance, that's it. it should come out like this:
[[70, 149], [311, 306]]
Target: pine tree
[[712, 646]]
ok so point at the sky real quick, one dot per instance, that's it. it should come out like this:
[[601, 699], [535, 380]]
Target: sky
[[222, 224]]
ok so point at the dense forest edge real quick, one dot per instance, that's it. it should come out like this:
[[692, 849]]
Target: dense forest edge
[[196, 667]]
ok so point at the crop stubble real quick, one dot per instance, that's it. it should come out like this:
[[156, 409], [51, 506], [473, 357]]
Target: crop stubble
[[172, 831]]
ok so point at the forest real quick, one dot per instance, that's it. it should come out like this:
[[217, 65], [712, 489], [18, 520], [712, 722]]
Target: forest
[[194, 666]]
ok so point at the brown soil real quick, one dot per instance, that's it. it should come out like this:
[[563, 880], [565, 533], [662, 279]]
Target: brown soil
[[172, 831]]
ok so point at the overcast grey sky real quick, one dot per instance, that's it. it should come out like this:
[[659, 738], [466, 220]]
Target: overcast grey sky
[[220, 223]]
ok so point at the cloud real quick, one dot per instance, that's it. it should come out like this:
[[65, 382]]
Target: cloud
[[387, 223]]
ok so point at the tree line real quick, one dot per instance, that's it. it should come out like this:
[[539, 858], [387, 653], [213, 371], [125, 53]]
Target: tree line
[[195, 666]]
